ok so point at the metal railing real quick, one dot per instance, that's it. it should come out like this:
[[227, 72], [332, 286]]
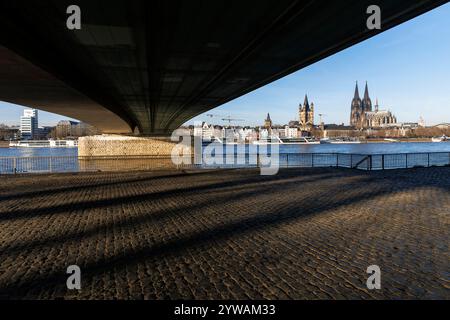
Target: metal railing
[[15, 165], [406, 160], [12, 165], [375, 161], [38, 164]]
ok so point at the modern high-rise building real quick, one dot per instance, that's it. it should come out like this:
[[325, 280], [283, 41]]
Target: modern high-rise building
[[29, 124]]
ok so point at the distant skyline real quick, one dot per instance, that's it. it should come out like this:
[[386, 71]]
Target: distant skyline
[[10, 115], [407, 69]]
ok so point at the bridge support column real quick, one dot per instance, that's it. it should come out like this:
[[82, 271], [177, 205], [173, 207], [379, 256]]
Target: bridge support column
[[122, 146]]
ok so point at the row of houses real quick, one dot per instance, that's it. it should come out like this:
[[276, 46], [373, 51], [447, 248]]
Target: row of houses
[[210, 132]]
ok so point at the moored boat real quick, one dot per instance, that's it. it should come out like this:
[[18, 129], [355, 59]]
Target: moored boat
[[44, 144], [338, 141], [444, 138]]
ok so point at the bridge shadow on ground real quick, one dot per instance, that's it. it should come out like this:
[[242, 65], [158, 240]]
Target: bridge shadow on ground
[[136, 222]]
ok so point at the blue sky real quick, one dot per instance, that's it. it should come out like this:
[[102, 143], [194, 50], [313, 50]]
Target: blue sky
[[407, 68]]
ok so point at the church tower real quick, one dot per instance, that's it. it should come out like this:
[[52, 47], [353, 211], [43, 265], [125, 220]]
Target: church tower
[[366, 102], [306, 115], [356, 109], [366, 106], [268, 122]]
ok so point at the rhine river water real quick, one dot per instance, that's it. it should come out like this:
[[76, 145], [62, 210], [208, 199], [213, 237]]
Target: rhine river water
[[65, 159], [363, 148]]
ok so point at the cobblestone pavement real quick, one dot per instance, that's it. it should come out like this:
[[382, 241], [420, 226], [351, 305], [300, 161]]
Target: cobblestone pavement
[[303, 234]]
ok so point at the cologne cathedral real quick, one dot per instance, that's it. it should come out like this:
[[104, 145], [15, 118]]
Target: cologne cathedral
[[363, 117]]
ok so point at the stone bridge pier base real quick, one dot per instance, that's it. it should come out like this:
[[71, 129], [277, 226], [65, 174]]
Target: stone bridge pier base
[[124, 146]]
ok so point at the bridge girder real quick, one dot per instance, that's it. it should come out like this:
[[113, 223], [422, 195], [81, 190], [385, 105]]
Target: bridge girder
[[152, 65]]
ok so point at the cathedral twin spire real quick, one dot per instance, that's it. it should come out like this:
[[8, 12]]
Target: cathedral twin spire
[[366, 103], [362, 117], [366, 92], [360, 107], [356, 97]]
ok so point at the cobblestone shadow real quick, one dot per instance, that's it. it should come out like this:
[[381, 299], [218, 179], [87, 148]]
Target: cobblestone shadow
[[226, 234]]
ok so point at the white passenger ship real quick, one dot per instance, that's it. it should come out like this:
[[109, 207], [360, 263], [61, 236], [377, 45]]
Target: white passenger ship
[[278, 140], [44, 144]]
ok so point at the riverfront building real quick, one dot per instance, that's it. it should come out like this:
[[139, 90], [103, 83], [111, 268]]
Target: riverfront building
[[64, 128], [72, 129], [29, 124], [290, 132]]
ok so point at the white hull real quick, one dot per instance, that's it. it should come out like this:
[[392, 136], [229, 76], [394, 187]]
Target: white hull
[[441, 139], [44, 144], [283, 143], [341, 142], [330, 141], [286, 144]]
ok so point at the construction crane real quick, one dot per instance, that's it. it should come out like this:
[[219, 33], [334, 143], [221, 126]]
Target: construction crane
[[229, 119], [321, 115]]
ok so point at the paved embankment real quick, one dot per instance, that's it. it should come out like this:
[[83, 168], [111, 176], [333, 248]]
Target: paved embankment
[[305, 233]]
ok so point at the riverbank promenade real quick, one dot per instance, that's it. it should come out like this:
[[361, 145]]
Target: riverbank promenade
[[226, 234]]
